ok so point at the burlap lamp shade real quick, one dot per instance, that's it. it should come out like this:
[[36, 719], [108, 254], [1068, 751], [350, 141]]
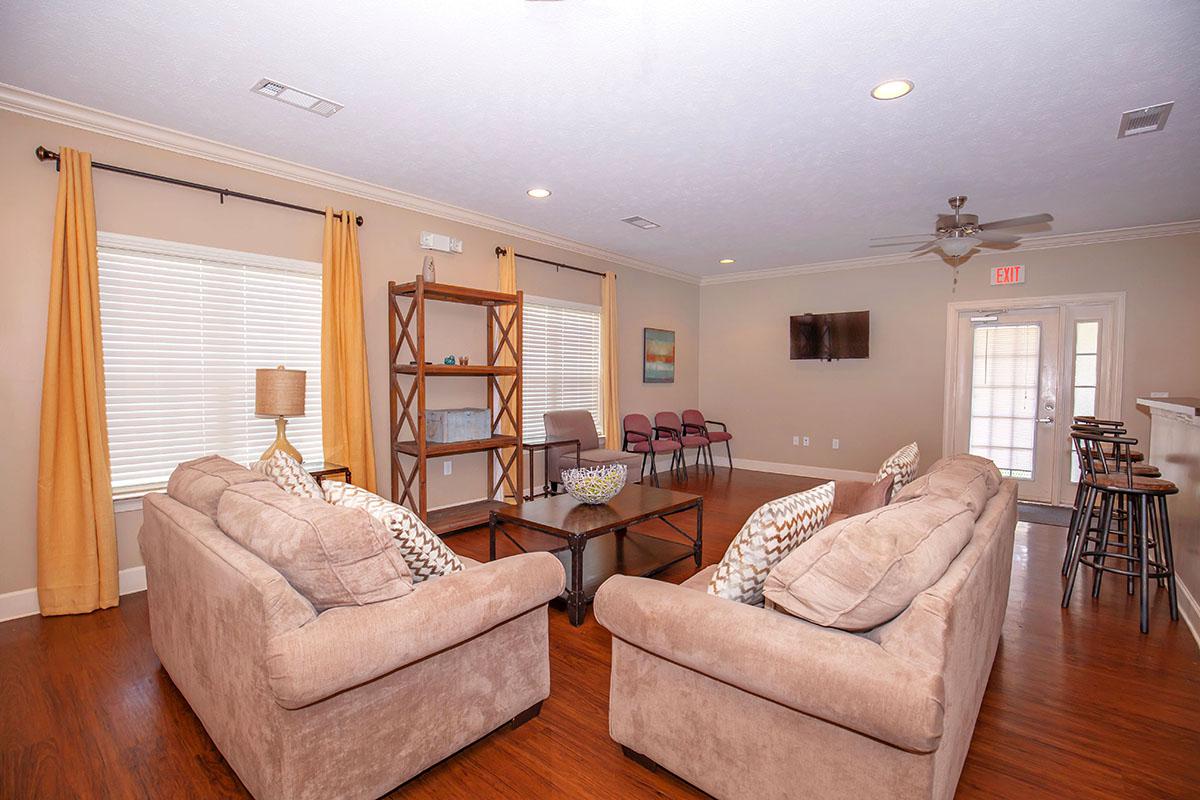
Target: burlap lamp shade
[[279, 393]]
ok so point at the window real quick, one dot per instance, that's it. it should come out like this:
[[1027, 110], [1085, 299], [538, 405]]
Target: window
[[184, 328], [561, 354], [1004, 396], [1085, 378]]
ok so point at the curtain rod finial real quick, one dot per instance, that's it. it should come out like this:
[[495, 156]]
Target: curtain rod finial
[[43, 154], [500, 251]]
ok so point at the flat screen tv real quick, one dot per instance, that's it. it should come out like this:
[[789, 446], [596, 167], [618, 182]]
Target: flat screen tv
[[830, 336]]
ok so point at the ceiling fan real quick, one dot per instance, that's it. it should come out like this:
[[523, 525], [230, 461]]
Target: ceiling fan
[[958, 234]]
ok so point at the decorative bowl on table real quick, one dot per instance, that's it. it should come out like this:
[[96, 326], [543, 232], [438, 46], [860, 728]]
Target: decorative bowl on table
[[595, 485]]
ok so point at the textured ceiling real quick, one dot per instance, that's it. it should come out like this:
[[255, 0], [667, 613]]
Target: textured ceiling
[[745, 130]]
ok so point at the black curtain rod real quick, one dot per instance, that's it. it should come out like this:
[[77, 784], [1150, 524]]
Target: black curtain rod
[[501, 251], [49, 155]]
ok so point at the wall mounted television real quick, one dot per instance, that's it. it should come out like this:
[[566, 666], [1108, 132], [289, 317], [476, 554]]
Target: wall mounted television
[[830, 336]]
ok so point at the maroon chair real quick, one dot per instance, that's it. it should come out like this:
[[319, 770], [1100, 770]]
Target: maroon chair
[[670, 421], [695, 422], [641, 437]]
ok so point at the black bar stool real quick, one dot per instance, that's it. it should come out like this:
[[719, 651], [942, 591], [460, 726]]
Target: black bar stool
[[1102, 428], [1108, 481]]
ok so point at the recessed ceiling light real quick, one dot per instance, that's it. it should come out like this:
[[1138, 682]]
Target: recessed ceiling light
[[725, 261], [538, 193], [891, 90]]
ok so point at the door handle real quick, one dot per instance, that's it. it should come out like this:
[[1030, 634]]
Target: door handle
[[1045, 420]]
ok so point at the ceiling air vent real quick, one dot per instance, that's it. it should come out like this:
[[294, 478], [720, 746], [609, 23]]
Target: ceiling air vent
[[295, 97], [1144, 120], [641, 222]]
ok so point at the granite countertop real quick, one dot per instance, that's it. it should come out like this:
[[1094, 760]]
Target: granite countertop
[[1188, 406]]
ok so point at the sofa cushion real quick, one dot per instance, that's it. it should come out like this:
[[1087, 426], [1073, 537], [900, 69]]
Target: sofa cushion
[[902, 465], [426, 555], [863, 571], [199, 483], [333, 556], [978, 463], [956, 480], [874, 496], [288, 475], [770, 533]]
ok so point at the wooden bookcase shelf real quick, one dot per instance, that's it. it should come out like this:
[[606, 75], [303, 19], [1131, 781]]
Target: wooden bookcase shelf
[[410, 449]]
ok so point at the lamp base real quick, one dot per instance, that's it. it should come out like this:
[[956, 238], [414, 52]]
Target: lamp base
[[281, 442]]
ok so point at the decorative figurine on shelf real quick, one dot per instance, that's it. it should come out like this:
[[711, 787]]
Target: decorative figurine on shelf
[[428, 270], [448, 361], [464, 361]]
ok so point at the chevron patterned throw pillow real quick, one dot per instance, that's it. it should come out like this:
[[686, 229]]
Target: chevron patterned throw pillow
[[423, 550], [772, 531], [902, 464], [289, 475]]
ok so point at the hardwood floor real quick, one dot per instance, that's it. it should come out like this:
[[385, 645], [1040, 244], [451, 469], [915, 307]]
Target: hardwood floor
[[1080, 704]]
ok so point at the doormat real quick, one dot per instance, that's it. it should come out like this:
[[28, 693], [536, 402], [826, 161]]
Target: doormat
[[1044, 515]]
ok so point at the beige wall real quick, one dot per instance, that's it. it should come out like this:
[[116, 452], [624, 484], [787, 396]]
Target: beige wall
[[875, 405], [389, 252]]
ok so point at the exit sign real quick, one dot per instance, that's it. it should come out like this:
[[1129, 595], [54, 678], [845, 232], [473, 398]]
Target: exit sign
[[1003, 276]]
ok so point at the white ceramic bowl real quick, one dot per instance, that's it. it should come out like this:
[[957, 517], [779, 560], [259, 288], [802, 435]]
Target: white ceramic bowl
[[595, 485]]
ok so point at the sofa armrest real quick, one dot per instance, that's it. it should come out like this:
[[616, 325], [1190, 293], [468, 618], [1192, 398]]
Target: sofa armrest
[[347, 646], [835, 676]]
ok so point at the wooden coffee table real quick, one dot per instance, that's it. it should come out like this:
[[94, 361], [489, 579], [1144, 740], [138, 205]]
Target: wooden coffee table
[[599, 543]]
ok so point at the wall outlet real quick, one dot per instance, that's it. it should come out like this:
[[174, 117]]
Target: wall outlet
[[806, 442], [447, 467], [796, 441], [837, 443]]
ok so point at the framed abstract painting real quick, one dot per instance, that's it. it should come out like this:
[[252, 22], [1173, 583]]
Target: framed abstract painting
[[658, 356]]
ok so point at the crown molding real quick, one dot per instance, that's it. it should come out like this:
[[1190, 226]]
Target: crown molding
[[53, 109], [1026, 245]]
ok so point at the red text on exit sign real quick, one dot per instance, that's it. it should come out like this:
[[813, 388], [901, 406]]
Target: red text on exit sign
[[1003, 276]]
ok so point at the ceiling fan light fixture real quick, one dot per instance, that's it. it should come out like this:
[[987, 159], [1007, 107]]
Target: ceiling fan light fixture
[[957, 246], [892, 90]]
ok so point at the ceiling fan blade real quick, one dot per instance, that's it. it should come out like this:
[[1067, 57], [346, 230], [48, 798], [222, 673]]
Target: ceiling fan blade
[[893, 244], [998, 238], [1016, 222], [903, 236]]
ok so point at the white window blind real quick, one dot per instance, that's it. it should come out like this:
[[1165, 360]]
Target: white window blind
[[184, 329], [1085, 379], [561, 362], [1004, 393]]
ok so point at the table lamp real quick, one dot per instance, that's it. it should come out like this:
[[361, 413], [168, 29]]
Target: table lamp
[[279, 393]]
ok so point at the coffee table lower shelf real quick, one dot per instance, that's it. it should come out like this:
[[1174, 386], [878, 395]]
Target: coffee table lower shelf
[[597, 539], [621, 553]]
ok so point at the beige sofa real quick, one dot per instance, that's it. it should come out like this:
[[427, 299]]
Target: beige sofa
[[744, 701], [353, 701]]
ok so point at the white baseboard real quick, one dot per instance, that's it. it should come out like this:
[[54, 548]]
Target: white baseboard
[[1189, 609], [828, 473], [24, 602]]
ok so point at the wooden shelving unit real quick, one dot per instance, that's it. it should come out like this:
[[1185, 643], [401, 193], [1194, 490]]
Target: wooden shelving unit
[[409, 373]]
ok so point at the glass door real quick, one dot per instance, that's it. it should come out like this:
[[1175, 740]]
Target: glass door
[[1009, 384]]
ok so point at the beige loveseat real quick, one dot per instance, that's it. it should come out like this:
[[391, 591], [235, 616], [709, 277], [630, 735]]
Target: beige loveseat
[[744, 701], [353, 701]]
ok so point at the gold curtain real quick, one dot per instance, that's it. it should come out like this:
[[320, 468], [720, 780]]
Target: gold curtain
[[345, 395], [508, 285], [76, 535], [609, 394]]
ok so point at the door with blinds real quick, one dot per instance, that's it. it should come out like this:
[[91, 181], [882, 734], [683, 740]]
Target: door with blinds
[[1010, 375], [1018, 377]]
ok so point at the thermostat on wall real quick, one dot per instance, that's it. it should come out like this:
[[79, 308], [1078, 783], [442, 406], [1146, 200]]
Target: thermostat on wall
[[440, 242]]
